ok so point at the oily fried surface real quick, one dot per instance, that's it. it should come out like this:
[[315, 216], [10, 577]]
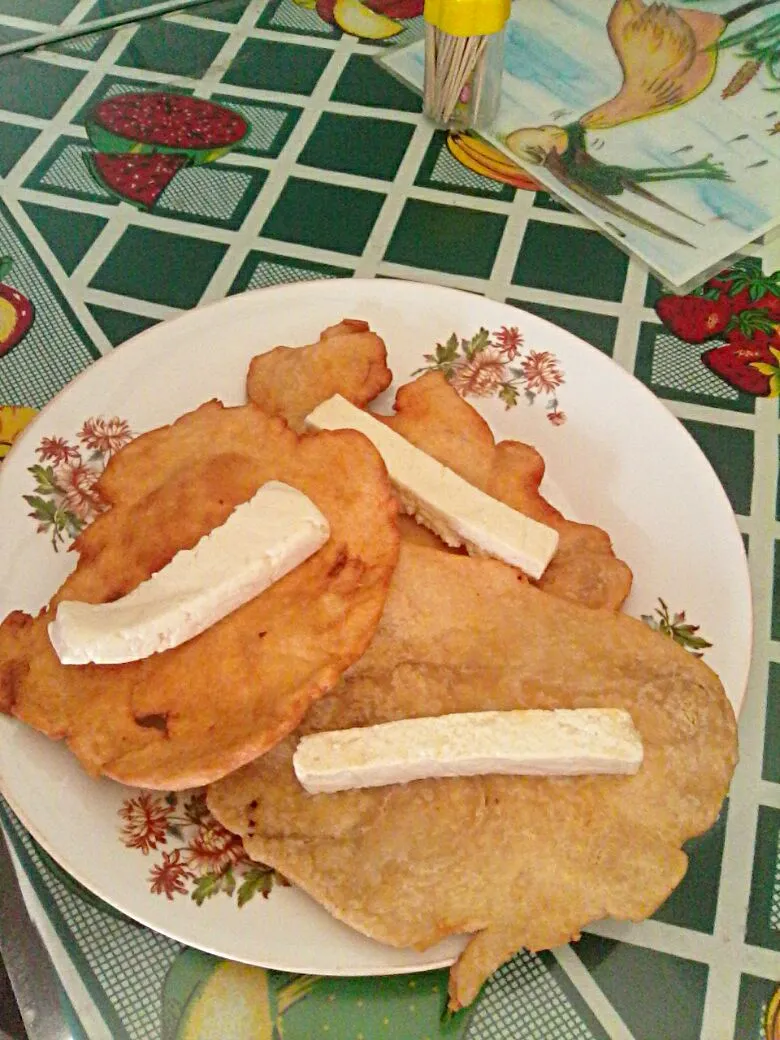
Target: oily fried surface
[[349, 359], [187, 716], [431, 415], [518, 861]]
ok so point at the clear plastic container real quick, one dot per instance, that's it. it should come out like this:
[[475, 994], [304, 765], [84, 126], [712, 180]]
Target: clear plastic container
[[464, 61]]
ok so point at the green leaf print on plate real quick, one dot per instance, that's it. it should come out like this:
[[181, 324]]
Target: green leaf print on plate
[[677, 628], [65, 496], [498, 364], [201, 858]]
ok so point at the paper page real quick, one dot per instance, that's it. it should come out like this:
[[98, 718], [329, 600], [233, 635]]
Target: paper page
[[659, 124]]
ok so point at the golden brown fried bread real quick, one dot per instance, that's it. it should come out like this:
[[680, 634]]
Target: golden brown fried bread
[[518, 861], [431, 415], [191, 714], [349, 359]]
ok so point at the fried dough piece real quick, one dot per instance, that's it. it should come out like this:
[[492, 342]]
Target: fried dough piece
[[189, 715], [433, 416], [349, 359], [517, 861]]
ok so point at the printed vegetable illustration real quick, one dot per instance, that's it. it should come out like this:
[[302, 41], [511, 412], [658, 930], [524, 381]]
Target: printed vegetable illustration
[[758, 49], [144, 139], [16, 311]]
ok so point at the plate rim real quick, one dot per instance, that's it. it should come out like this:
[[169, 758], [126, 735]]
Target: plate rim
[[148, 338]]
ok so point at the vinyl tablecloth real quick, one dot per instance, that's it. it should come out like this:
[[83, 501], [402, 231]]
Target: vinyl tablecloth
[[339, 176]]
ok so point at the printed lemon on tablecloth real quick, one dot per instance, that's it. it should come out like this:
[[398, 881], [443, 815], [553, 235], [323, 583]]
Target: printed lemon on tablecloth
[[204, 997], [13, 420], [224, 998], [772, 1017]]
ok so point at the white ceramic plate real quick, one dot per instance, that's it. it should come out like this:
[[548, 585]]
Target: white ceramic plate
[[615, 457]]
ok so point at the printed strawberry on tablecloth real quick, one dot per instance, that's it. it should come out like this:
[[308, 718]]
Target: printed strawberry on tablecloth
[[740, 305]]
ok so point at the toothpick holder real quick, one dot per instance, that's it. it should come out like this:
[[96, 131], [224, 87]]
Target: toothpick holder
[[464, 61]]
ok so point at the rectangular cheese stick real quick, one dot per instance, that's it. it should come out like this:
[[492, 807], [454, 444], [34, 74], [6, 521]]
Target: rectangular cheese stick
[[458, 512], [533, 742], [261, 541]]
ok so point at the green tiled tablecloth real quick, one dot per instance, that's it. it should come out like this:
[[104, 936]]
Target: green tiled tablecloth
[[340, 176]]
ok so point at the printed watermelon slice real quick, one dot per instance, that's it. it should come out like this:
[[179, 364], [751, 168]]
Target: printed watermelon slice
[[154, 121], [139, 179]]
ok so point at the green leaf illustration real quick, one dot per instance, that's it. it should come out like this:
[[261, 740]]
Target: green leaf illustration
[[69, 522], [259, 879], [45, 482], [509, 395], [757, 320], [748, 274], [447, 352], [478, 342], [746, 268], [677, 628], [205, 887], [711, 293], [443, 359], [228, 882], [44, 509]]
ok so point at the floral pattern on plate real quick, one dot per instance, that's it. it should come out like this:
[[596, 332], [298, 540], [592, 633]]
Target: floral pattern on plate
[[677, 628], [203, 858], [65, 498], [497, 364]]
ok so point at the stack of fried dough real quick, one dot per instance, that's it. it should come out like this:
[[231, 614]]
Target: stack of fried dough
[[385, 622]]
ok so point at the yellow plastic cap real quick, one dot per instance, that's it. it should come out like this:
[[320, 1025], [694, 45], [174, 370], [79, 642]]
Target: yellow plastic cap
[[467, 17]]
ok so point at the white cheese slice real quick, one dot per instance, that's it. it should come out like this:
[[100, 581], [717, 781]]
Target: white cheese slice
[[437, 497], [560, 742], [261, 541]]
